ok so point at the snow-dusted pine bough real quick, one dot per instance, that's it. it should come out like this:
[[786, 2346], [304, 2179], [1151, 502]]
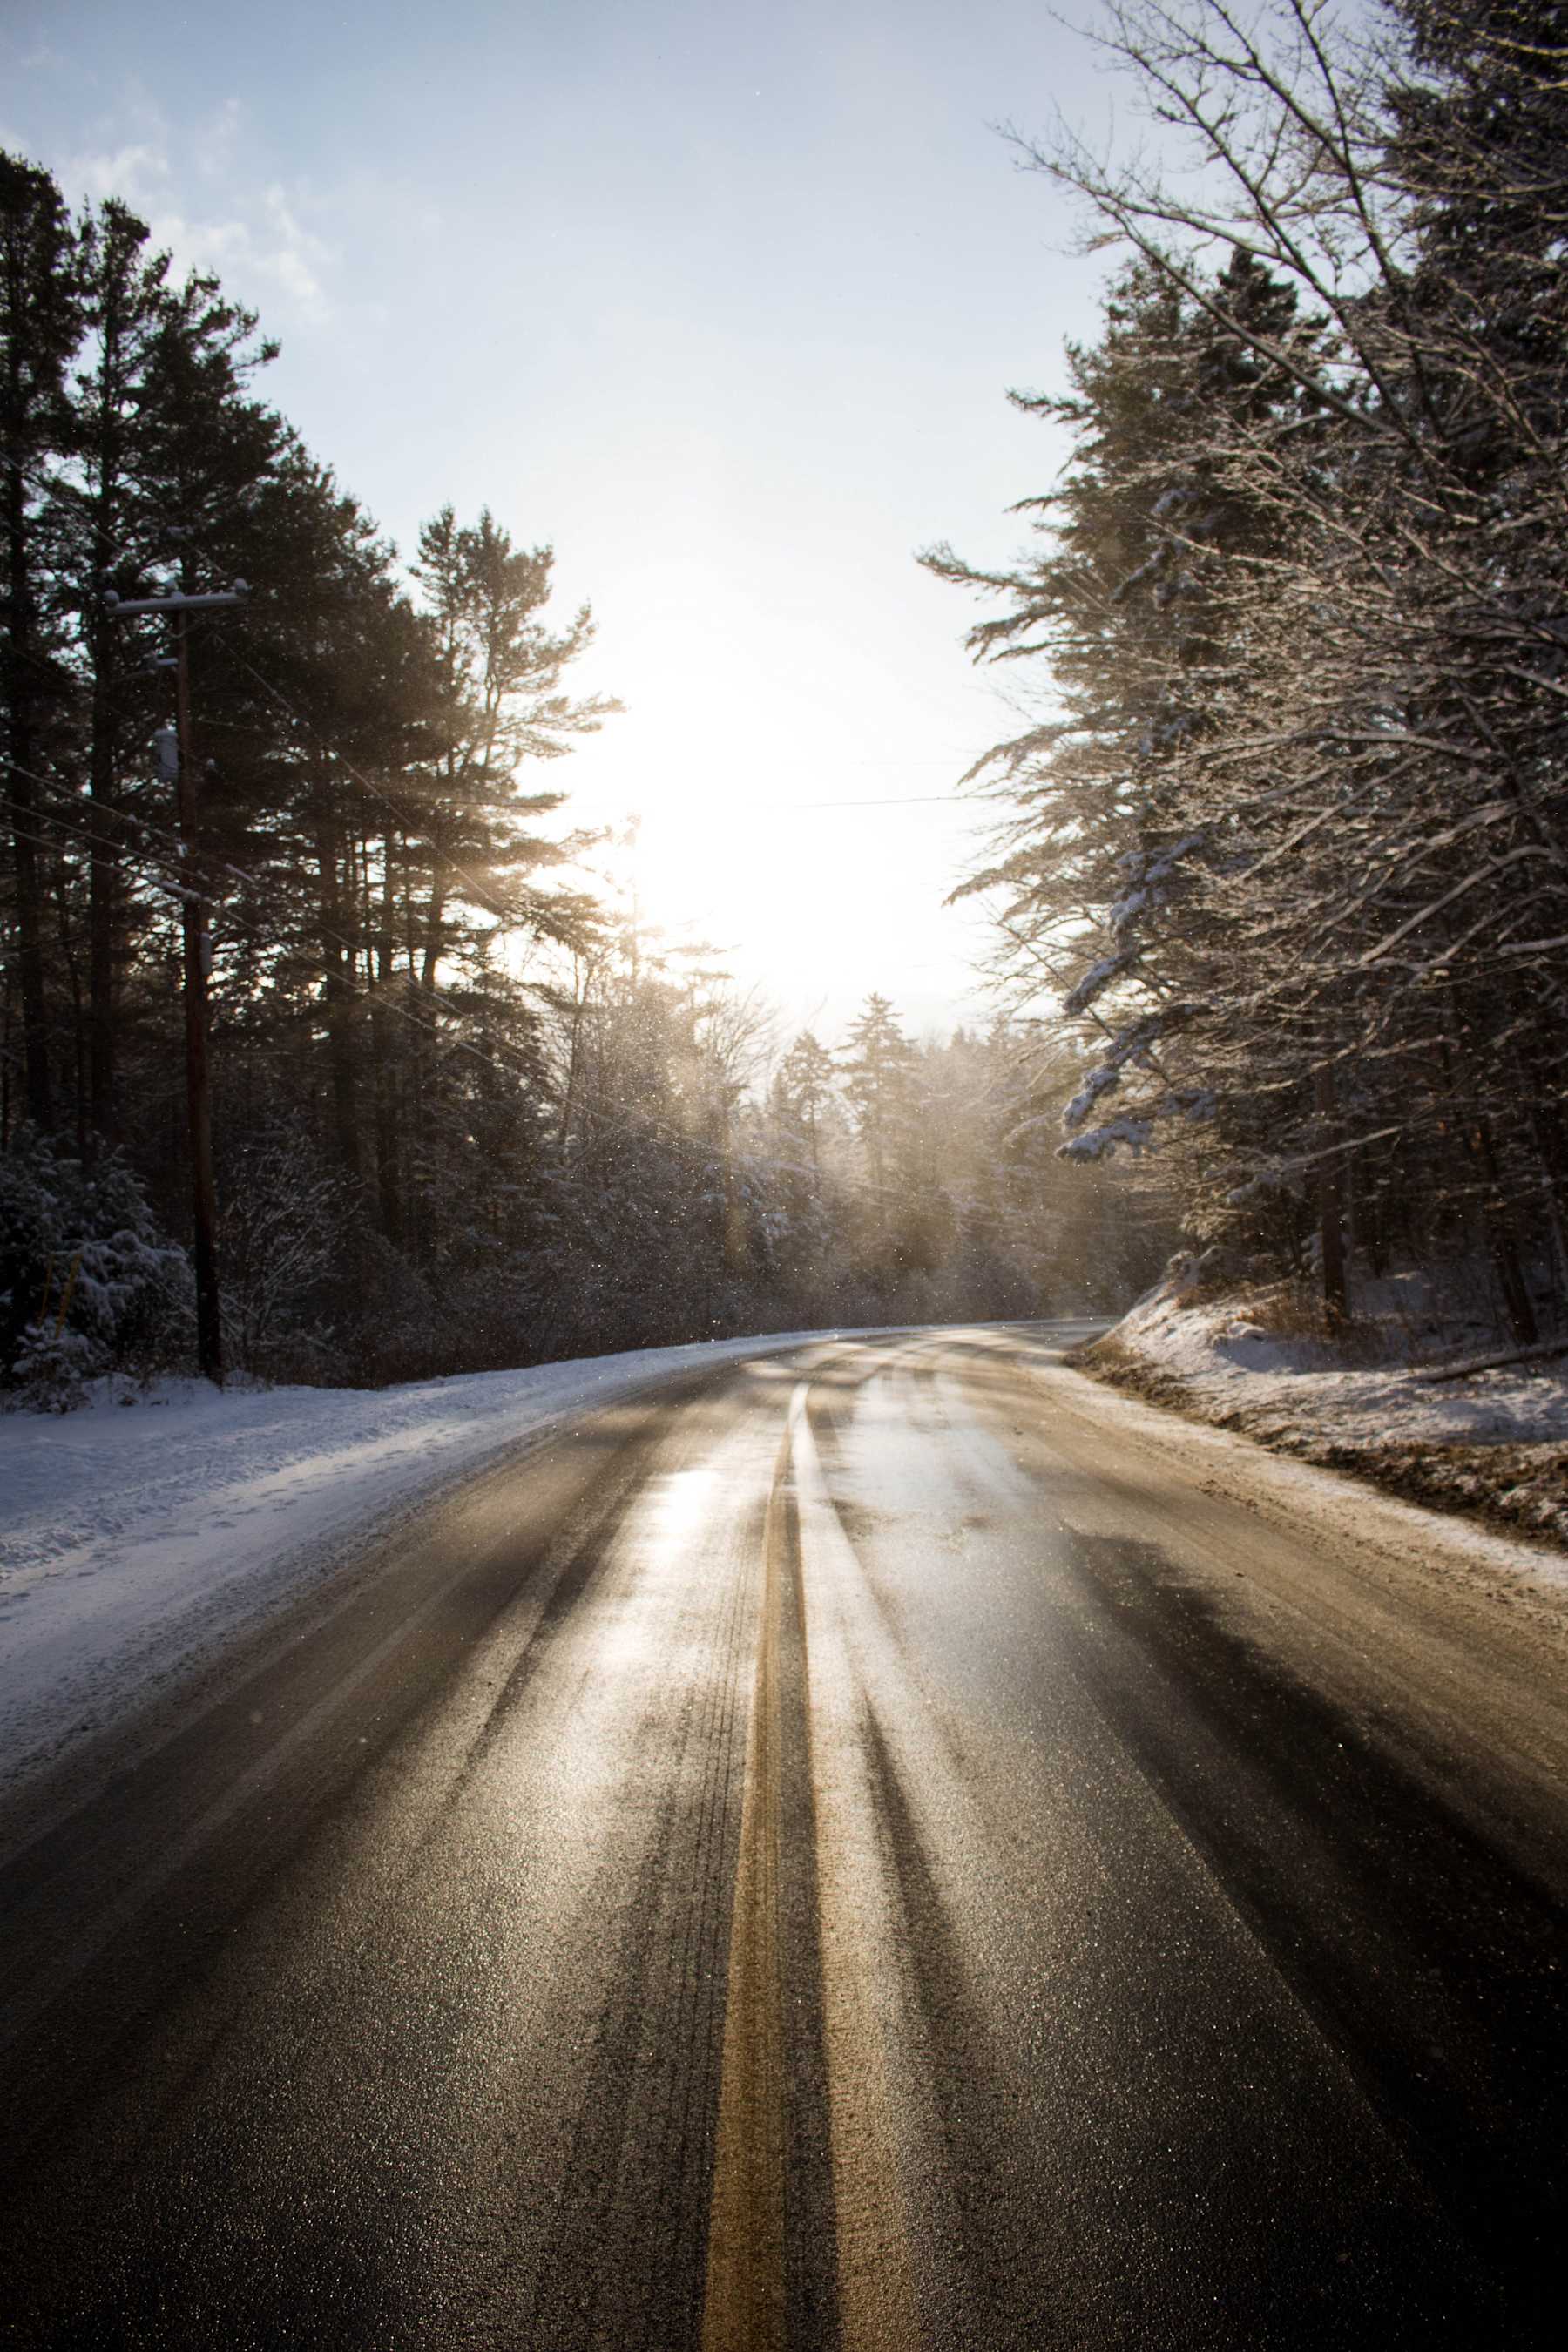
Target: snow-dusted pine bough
[[1288, 856]]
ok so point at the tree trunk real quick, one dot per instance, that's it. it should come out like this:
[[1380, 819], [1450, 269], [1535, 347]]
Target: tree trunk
[[104, 900], [70, 969], [388, 1187], [338, 983], [433, 932], [1330, 1198], [21, 696], [1504, 1246], [574, 1056]]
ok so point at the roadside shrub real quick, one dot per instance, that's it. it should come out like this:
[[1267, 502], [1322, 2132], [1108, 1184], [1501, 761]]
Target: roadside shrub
[[88, 1283], [283, 1233]]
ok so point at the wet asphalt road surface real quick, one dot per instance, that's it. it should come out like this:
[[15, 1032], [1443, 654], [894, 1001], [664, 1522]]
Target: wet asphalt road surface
[[858, 1850]]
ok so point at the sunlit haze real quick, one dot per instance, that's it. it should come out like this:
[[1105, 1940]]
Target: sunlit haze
[[721, 301]]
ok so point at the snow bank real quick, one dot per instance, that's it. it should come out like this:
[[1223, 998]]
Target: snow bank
[[141, 1533], [1495, 1442]]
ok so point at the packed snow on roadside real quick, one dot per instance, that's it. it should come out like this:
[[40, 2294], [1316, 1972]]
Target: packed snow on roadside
[[141, 1532], [1493, 1442]]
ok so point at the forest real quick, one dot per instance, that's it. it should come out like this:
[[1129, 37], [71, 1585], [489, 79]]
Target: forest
[[1281, 862], [1278, 873], [464, 1110]]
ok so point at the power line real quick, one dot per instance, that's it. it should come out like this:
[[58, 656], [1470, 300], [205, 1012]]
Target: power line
[[138, 877], [155, 878], [96, 808], [482, 898], [497, 1059], [53, 487], [246, 881], [147, 877], [683, 1141], [367, 996], [895, 800], [139, 863]]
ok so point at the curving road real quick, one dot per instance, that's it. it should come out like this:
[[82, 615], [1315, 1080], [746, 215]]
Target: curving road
[[880, 1847]]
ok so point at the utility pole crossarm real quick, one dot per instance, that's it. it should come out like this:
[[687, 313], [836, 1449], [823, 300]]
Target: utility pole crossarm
[[123, 607]]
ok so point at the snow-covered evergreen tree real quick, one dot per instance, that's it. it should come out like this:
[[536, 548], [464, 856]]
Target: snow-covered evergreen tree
[[88, 1284]]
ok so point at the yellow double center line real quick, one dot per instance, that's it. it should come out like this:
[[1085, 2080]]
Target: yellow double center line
[[745, 2308]]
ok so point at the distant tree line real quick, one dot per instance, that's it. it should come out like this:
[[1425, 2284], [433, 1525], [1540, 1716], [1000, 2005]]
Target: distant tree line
[[465, 1115], [1281, 870]]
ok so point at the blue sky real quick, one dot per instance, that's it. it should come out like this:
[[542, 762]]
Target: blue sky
[[720, 300]]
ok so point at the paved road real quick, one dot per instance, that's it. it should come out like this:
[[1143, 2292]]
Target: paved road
[[863, 1849]]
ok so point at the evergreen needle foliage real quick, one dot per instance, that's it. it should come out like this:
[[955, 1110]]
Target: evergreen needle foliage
[[1282, 869], [466, 1114]]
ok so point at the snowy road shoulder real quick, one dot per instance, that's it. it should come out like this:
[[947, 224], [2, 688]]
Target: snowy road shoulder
[[1493, 1445], [138, 1538], [138, 1541]]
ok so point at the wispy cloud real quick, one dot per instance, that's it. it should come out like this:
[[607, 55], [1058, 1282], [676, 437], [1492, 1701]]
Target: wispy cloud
[[136, 174], [265, 248], [213, 148], [259, 240], [42, 58]]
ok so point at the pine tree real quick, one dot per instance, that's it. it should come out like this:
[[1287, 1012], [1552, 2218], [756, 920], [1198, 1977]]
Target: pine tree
[[804, 1090], [1140, 601], [40, 328], [1382, 890], [878, 1087], [500, 674]]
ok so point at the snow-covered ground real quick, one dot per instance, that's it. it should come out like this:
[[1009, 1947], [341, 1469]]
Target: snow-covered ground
[[139, 1534], [1493, 1442]]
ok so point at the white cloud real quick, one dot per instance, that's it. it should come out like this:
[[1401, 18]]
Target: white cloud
[[214, 142], [258, 242], [298, 255], [135, 174], [267, 249]]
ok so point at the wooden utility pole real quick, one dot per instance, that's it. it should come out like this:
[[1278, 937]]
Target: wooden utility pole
[[198, 966]]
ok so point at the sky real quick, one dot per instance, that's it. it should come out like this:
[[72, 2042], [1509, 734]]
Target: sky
[[722, 302]]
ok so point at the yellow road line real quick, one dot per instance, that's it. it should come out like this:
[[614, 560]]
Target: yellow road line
[[744, 2305], [743, 2309]]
